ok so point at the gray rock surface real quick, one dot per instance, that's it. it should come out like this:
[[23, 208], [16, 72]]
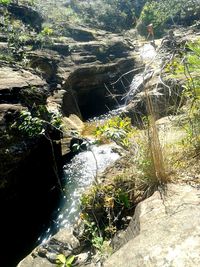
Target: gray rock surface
[[38, 262], [64, 242], [164, 232], [18, 78]]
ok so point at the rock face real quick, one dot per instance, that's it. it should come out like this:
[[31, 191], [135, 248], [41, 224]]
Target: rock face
[[63, 242], [27, 15], [85, 70], [29, 191], [29, 185], [67, 74], [21, 86], [165, 231]]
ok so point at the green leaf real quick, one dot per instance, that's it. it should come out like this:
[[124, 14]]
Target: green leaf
[[61, 258], [70, 260]]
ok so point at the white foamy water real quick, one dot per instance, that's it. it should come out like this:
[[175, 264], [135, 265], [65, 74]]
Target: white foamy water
[[79, 174]]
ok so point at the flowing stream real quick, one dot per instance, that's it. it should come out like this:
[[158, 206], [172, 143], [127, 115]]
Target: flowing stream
[[78, 175], [80, 172]]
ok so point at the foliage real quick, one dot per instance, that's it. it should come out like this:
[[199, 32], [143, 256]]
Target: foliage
[[47, 31], [192, 91], [25, 2], [31, 124], [116, 129], [111, 15], [5, 2], [155, 14], [104, 209], [187, 67], [55, 119], [167, 12], [62, 261], [17, 34], [81, 145]]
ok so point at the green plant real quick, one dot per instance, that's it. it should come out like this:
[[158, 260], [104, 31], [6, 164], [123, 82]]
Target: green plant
[[100, 12], [5, 2], [116, 129], [34, 123], [56, 119], [103, 208], [166, 12], [187, 68], [47, 31], [17, 34], [30, 126], [62, 261], [92, 233]]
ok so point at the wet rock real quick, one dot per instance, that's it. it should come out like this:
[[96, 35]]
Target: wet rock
[[64, 242], [27, 172], [66, 238]]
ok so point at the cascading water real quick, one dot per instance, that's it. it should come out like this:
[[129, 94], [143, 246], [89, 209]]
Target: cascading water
[[80, 172], [78, 175]]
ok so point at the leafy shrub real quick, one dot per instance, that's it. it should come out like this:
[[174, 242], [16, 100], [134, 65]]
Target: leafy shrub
[[116, 129], [111, 15], [47, 31], [187, 67], [31, 124], [5, 2], [153, 13], [192, 91], [115, 15], [104, 209], [167, 12]]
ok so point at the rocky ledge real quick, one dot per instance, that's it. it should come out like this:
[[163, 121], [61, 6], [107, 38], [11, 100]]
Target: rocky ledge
[[161, 233], [67, 75]]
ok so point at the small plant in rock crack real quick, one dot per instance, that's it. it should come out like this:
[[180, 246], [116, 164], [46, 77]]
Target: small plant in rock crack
[[80, 146], [93, 234], [104, 210], [56, 120], [62, 261]]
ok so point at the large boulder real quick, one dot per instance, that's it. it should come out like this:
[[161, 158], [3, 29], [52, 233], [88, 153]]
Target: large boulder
[[165, 231]]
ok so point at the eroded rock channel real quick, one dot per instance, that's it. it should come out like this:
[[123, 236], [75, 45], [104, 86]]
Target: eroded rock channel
[[67, 75]]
